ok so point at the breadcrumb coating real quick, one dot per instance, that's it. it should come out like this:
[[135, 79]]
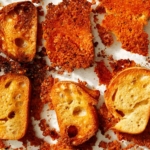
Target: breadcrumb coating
[[126, 19], [67, 32]]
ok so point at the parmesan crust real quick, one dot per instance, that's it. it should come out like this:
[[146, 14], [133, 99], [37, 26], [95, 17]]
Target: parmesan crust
[[67, 31], [126, 19]]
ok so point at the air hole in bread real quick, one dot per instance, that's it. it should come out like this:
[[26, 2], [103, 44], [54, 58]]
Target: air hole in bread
[[69, 91], [20, 42], [3, 120], [13, 132], [144, 102], [22, 84], [132, 96], [69, 101], [17, 97], [144, 85], [114, 95], [120, 112], [8, 84], [72, 131], [11, 115], [79, 92], [133, 81], [66, 107], [79, 111]]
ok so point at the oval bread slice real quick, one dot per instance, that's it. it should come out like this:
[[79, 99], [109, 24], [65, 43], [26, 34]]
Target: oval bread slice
[[128, 98], [75, 110]]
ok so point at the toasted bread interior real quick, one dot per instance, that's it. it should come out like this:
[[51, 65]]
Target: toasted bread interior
[[14, 99], [76, 114], [127, 98], [18, 30]]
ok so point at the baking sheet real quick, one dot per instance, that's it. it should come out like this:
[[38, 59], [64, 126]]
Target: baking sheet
[[87, 75]]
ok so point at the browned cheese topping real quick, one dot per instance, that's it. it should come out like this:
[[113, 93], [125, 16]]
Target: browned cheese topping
[[67, 31], [126, 19]]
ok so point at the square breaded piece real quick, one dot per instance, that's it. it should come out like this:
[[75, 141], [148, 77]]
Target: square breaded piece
[[67, 32], [126, 19], [14, 101], [18, 30], [75, 110]]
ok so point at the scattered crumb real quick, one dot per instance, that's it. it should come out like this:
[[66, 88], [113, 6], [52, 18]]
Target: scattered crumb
[[103, 73], [105, 36], [103, 144], [114, 145], [99, 9], [118, 65]]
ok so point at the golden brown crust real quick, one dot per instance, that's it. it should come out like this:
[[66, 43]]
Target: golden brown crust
[[76, 112], [126, 19], [67, 31], [18, 30], [15, 92]]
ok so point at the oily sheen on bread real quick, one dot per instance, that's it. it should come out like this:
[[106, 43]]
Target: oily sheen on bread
[[75, 110], [128, 98], [14, 99], [18, 30]]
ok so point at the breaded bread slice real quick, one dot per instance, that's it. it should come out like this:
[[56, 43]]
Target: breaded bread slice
[[68, 36], [126, 19], [128, 98], [75, 110], [14, 99], [18, 30]]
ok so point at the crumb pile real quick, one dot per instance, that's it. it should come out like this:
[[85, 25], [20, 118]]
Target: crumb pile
[[67, 31], [126, 19]]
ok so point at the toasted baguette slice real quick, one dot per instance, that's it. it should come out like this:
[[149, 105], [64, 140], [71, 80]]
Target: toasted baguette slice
[[14, 99], [75, 110], [128, 98], [18, 30]]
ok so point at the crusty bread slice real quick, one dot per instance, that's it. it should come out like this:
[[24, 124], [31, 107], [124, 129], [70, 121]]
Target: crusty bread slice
[[18, 30], [14, 99], [75, 110], [128, 98]]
